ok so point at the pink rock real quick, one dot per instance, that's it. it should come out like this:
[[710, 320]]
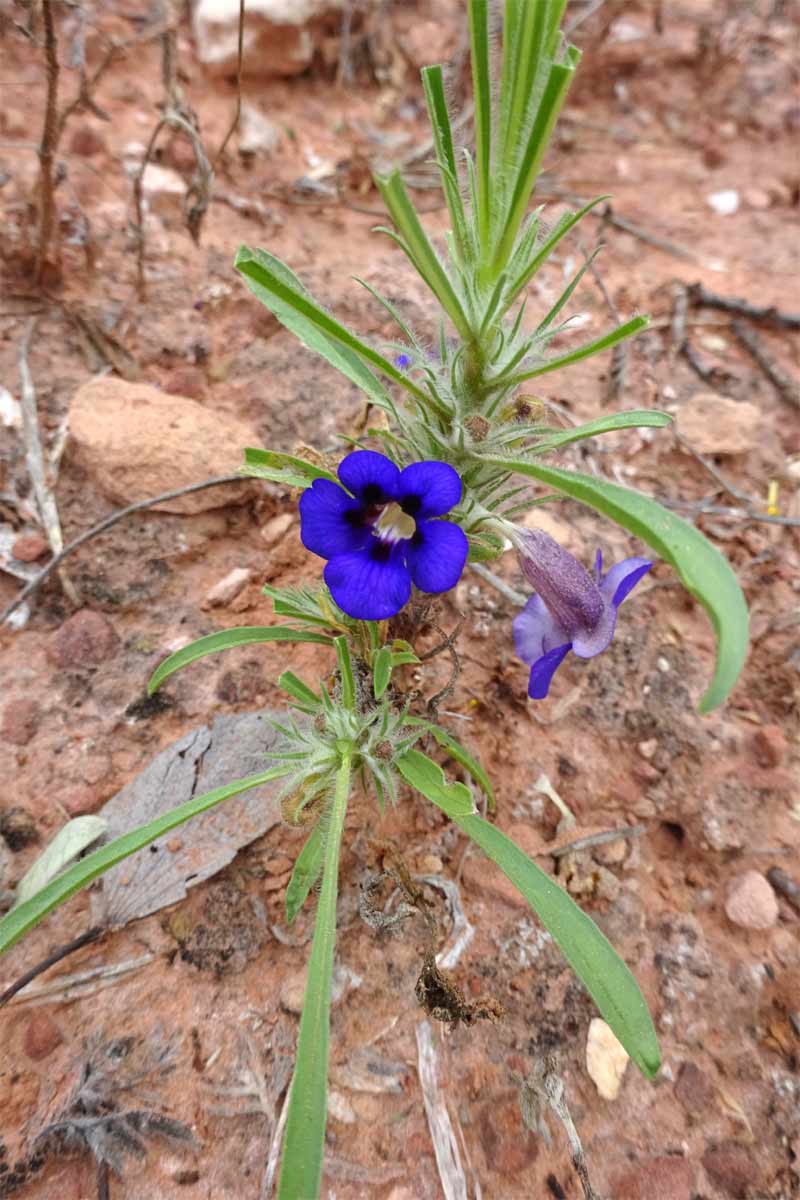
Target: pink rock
[[751, 902], [41, 1036], [20, 721], [135, 442], [733, 1167], [29, 547], [664, 1178], [228, 588], [86, 639]]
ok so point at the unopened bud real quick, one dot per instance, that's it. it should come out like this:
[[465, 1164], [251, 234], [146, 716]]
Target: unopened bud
[[478, 427]]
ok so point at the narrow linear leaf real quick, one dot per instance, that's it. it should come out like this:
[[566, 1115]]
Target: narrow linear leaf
[[304, 1140], [70, 841], [381, 671], [628, 329], [703, 571], [24, 916], [225, 640], [307, 867], [258, 457], [300, 691], [429, 778], [457, 752], [591, 956], [633, 419]]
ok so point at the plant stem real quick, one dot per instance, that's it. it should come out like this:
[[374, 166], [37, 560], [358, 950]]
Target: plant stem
[[48, 142], [303, 1146]]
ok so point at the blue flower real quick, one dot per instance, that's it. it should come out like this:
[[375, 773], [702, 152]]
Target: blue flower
[[570, 611], [378, 535], [403, 361]]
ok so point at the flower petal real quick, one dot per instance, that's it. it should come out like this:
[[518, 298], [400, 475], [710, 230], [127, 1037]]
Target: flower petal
[[370, 584], [536, 631], [437, 554], [623, 577], [543, 671], [370, 476], [428, 489], [329, 520]]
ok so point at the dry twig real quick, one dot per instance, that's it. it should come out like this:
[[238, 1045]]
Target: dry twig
[[47, 146], [780, 379], [34, 457], [768, 314], [238, 110]]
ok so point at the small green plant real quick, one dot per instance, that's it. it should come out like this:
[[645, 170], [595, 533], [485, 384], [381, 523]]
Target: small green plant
[[459, 447]]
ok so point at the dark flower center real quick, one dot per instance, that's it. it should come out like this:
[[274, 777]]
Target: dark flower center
[[371, 494], [411, 505]]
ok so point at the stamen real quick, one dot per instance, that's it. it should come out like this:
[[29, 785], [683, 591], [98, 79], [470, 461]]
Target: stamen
[[394, 525]]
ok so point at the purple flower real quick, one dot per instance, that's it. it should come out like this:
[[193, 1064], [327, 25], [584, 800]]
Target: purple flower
[[403, 361], [378, 535], [570, 611]]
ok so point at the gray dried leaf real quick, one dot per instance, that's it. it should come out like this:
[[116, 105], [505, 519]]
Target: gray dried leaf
[[234, 746]]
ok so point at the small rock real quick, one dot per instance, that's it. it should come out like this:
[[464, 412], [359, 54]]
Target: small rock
[[751, 902], [664, 1178], [724, 203], [756, 198], [20, 721], [186, 381], [80, 800], [163, 192], [276, 528], [228, 587], [733, 1167], [719, 425], [41, 1036], [694, 1090], [136, 442], [257, 134], [279, 35], [340, 1108], [648, 748], [86, 141], [769, 745], [86, 639], [606, 1059], [18, 828], [29, 547]]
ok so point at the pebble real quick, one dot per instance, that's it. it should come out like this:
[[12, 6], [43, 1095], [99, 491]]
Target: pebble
[[280, 35], [227, 588], [257, 133], [769, 745], [18, 827], [648, 748], [135, 442], [724, 203], [79, 800], [694, 1091], [757, 198], [667, 1177], [20, 721], [340, 1108], [41, 1036], [86, 141], [86, 639], [606, 1059], [276, 528], [751, 902], [715, 424], [733, 1167], [163, 191], [29, 547]]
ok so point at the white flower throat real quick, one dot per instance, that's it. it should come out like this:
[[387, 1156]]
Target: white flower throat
[[394, 525]]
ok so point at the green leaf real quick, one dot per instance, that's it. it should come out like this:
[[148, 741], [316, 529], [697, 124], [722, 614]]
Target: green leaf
[[482, 90], [433, 84], [626, 330], [307, 867], [345, 672], [703, 570], [633, 419], [24, 916], [300, 691], [591, 956], [224, 640], [70, 841], [270, 463], [428, 777], [457, 752], [304, 1140], [381, 671]]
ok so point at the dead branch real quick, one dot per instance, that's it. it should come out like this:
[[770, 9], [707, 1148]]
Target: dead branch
[[768, 314], [238, 110], [36, 583], [34, 458], [783, 383], [49, 140]]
